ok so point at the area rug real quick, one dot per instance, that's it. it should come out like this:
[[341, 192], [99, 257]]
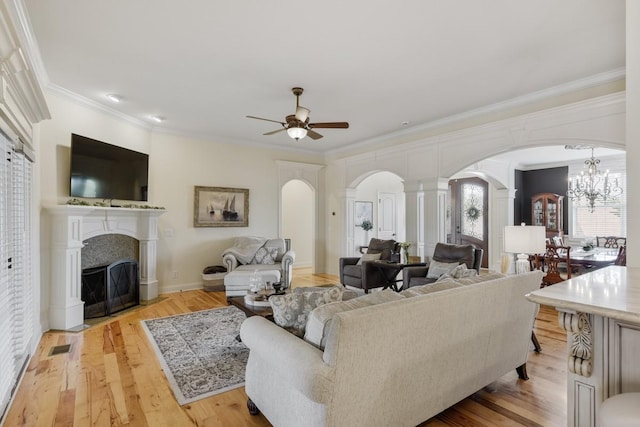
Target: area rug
[[199, 352]]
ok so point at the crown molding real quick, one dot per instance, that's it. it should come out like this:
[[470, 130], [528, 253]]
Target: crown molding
[[530, 98], [81, 100]]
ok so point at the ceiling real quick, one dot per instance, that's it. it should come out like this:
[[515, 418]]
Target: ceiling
[[204, 65]]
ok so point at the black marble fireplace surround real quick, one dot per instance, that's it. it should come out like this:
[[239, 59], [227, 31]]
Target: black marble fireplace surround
[[110, 288]]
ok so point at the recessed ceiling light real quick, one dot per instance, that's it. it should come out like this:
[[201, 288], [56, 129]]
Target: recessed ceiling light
[[404, 123], [114, 97], [157, 119]]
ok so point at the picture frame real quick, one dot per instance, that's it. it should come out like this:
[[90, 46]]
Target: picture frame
[[220, 207], [362, 211]]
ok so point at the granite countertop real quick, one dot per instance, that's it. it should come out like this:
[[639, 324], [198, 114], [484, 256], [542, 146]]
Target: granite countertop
[[612, 292]]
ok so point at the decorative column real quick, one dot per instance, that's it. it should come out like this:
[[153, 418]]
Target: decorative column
[[586, 378], [435, 212], [349, 231], [66, 308], [414, 223], [580, 342], [501, 215]]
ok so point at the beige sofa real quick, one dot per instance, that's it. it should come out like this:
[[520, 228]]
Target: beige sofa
[[393, 363]]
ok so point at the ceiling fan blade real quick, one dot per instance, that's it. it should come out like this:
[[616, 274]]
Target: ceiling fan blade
[[313, 134], [302, 113], [266, 120], [330, 125], [274, 131]]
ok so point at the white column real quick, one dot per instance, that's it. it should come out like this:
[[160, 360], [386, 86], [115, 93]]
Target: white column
[[501, 214], [66, 308], [633, 129], [348, 203], [414, 216], [435, 210], [148, 236]]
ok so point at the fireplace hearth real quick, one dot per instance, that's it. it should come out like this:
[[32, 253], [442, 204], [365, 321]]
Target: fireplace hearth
[[110, 288]]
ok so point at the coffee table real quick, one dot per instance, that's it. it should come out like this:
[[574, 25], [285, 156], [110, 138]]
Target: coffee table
[[251, 310]]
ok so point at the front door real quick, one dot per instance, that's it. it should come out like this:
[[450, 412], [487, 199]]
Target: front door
[[469, 214]]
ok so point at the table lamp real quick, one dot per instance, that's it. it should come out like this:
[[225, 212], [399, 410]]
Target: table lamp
[[524, 240]]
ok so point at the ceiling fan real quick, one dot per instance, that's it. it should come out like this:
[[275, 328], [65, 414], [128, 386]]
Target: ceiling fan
[[297, 125]]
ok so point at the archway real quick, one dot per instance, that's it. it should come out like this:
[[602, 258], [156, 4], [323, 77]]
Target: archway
[[298, 220], [379, 195]]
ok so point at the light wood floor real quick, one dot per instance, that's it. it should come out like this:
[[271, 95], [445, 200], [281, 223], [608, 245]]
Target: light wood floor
[[111, 377]]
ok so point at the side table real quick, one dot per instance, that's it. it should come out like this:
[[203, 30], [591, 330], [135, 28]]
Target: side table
[[390, 271]]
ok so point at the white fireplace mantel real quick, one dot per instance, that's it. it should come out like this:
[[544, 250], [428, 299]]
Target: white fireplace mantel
[[70, 226]]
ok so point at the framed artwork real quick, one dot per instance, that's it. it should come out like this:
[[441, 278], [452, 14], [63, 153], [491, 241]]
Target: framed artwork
[[363, 210], [220, 207]]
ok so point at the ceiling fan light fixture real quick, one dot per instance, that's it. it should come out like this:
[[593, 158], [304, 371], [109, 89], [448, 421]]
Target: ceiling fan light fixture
[[296, 132], [302, 113]]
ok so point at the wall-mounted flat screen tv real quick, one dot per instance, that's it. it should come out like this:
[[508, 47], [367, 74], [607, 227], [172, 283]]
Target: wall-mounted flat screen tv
[[104, 171]]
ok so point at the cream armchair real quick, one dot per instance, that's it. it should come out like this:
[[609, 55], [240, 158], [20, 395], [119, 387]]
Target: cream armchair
[[241, 257]]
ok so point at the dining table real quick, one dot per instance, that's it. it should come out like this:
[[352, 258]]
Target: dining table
[[595, 257]]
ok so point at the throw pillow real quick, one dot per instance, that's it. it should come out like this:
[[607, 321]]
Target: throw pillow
[[290, 311], [368, 257], [383, 247], [437, 269], [265, 256], [461, 271]]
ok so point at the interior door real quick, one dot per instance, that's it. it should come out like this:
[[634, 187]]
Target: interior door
[[469, 214], [387, 216]]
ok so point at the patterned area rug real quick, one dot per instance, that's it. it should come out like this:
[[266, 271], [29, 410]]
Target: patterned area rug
[[199, 352]]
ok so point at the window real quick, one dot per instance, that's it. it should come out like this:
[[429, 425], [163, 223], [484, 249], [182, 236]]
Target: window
[[16, 299], [607, 219]]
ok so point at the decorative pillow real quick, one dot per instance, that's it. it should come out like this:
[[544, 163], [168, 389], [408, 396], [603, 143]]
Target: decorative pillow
[[290, 311], [368, 257], [461, 271], [265, 256], [279, 244], [437, 268]]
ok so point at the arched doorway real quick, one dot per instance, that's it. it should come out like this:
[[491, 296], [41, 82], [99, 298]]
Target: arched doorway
[[298, 219], [383, 195]]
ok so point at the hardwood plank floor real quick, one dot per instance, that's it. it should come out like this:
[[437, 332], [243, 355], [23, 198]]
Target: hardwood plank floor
[[111, 377]]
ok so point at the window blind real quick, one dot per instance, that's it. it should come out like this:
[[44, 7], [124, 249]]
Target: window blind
[[16, 295]]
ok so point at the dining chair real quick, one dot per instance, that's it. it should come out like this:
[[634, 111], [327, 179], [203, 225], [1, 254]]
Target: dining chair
[[610, 241], [622, 256], [551, 263]]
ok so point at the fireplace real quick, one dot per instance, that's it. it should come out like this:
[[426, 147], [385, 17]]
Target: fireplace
[[110, 288], [71, 228]]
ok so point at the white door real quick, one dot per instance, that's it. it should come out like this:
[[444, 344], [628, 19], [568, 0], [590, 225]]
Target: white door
[[387, 216]]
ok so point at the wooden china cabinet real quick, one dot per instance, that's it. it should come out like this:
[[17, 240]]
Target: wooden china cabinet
[[546, 210]]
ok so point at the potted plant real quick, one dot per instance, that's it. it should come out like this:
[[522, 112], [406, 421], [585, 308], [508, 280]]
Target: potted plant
[[366, 225]]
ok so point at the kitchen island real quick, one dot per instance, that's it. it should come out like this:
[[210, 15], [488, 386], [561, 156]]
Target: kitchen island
[[600, 311]]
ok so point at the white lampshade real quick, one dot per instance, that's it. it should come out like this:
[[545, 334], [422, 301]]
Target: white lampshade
[[297, 133], [525, 239]]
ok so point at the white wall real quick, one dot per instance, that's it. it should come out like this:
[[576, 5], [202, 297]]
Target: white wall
[[176, 165], [298, 219]]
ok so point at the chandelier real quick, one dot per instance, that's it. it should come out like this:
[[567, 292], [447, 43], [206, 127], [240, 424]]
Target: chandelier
[[593, 184]]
